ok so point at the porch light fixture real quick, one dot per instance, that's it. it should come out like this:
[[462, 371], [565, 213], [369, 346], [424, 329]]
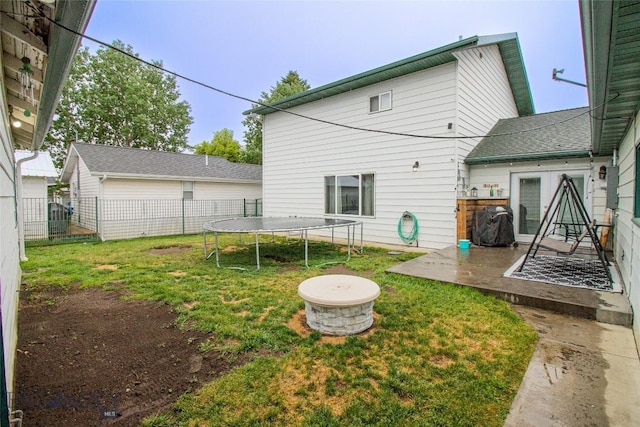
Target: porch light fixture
[[14, 121], [602, 174], [416, 166]]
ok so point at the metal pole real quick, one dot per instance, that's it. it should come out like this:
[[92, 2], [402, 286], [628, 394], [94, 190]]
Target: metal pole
[[306, 249], [257, 252], [215, 234]]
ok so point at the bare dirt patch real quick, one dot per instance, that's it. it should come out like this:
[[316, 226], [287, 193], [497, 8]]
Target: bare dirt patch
[[164, 250], [298, 324], [341, 269], [87, 355]]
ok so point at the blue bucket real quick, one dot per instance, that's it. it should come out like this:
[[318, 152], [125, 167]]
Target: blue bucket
[[464, 243]]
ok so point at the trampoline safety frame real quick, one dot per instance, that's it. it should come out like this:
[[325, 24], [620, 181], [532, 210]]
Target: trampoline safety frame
[[258, 225]]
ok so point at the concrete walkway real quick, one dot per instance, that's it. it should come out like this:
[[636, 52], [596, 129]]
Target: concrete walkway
[[583, 373]]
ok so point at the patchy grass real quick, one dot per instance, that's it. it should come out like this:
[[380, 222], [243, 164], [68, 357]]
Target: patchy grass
[[439, 355]]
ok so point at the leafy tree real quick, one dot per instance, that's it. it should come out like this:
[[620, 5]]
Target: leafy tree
[[113, 99], [222, 145], [288, 85]]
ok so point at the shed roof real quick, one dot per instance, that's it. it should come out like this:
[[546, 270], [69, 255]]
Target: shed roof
[[557, 134], [41, 166], [507, 43], [138, 163]]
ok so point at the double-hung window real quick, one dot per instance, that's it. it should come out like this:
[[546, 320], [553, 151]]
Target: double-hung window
[[381, 102], [187, 190], [349, 195]]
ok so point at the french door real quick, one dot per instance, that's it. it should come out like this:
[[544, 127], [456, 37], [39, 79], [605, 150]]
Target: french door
[[531, 193]]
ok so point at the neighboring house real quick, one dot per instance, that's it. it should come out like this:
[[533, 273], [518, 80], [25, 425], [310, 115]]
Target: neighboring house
[[37, 175], [156, 192], [27, 116], [611, 39], [446, 99], [523, 159]]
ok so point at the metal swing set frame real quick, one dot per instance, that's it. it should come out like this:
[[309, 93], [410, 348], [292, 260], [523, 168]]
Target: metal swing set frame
[[566, 211]]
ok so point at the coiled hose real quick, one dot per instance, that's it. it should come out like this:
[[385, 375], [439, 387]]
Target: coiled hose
[[413, 234]]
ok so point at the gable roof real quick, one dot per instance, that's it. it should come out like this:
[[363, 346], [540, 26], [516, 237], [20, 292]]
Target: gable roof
[[507, 43], [611, 42], [120, 162], [41, 166], [562, 134]]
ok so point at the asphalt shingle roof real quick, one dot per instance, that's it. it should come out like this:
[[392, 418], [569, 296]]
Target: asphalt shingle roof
[[108, 159], [565, 133]]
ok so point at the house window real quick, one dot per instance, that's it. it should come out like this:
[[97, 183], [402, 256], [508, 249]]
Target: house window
[[380, 102], [349, 195], [187, 190]]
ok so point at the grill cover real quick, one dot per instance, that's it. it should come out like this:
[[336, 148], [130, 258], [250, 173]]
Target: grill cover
[[493, 226]]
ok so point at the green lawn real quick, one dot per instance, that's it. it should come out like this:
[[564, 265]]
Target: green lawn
[[438, 354]]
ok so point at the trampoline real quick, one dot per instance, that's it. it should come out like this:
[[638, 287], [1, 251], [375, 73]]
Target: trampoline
[[260, 225]]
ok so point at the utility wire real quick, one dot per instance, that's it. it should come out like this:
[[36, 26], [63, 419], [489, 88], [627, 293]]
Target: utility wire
[[303, 116]]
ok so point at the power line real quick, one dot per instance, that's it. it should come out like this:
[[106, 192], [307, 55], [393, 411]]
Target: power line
[[303, 116]]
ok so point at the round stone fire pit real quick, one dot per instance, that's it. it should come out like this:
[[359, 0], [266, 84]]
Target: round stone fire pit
[[339, 304]]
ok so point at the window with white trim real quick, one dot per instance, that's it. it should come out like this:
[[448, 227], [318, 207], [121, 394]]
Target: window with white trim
[[187, 190], [380, 102], [349, 195]]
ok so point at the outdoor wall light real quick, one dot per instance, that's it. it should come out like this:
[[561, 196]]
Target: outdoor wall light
[[14, 122], [416, 166], [602, 174]]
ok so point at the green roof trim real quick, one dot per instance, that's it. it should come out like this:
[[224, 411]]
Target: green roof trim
[[507, 44], [527, 157], [611, 41]]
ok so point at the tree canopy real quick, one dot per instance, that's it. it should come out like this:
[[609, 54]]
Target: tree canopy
[[288, 85], [222, 145], [113, 99]]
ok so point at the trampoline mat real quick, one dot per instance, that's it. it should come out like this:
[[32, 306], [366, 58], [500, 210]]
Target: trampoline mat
[[258, 224]]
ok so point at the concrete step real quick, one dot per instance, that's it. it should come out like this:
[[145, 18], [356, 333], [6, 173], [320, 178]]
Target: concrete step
[[482, 268]]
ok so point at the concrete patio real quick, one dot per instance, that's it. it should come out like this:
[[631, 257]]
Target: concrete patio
[[482, 267]]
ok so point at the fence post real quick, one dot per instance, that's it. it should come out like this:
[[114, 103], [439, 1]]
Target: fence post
[[97, 219], [182, 215]]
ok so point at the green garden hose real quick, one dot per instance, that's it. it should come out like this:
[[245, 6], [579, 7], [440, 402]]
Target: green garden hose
[[413, 235]]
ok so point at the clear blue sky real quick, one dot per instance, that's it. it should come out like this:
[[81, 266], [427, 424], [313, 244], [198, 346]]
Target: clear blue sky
[[245, 47]]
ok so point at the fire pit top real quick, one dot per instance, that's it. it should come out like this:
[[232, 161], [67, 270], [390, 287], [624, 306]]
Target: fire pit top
[[338, 290]]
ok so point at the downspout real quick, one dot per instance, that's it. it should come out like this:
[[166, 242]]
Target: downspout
[[19, 203]]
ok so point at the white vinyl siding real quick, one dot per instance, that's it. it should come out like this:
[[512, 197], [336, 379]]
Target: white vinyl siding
[[34, 187], [299, 153], [34, 195], [10, 271], [119, 188], [484, 97], [626, 232]]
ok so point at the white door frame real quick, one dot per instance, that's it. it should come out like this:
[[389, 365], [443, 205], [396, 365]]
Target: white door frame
[[549, 180]]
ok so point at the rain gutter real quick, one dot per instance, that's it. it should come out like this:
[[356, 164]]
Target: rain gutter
[[19, 204], [526, 157]]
